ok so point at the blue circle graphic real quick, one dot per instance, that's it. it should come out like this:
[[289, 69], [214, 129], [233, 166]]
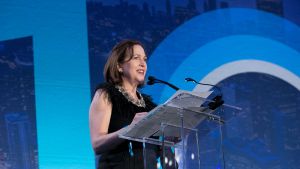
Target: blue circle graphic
[[221, 36]]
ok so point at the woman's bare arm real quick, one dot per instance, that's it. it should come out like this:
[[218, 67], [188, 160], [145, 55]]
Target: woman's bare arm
[[99, 118]]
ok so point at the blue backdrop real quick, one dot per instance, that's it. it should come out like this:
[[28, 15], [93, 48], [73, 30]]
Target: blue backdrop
[[61, 79]]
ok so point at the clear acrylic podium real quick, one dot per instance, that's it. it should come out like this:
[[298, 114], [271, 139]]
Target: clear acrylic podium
[[176, 127]]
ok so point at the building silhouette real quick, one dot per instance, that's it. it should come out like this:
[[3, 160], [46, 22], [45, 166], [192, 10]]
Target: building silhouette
[[209, 5], [273, 6], [21, 151]]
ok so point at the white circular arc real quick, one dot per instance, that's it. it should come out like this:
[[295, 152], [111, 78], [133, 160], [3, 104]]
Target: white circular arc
[[244, 66]]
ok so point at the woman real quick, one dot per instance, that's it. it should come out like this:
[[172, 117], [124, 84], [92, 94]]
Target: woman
[[117, 104]]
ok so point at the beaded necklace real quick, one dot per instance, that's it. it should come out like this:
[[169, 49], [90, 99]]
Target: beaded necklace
[[138, 102]]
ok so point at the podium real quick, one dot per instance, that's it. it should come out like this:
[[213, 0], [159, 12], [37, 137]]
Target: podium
[[174, 127]]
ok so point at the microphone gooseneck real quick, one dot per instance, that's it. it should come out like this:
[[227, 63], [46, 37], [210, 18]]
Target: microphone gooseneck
[[152, 80], [218, 100], [188, 79]]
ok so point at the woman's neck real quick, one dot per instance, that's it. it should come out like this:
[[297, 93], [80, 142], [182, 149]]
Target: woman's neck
[[130, 88]]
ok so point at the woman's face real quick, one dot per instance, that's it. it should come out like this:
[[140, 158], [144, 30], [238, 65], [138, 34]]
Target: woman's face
[[134, 70]]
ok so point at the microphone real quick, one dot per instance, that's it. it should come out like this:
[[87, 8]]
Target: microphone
[[188, 79], [218, 101], [152, 80]]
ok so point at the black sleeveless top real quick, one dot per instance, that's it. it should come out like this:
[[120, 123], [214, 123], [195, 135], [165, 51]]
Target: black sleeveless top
[[129, 154], [123, 112]]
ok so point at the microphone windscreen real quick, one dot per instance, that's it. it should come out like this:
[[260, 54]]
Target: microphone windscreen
[[150, 82], [151, 78], [188, 79]]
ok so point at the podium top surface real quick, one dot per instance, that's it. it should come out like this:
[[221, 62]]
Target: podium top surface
[[184, 106]]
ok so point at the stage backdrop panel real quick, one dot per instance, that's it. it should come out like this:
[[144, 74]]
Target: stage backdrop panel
[[61, 76], [249, 48], [18, 145]]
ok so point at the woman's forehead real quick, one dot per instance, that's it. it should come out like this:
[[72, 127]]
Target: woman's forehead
[[138, 49]]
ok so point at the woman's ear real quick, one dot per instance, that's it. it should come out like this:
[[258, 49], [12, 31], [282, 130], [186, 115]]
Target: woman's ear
[[120, 69]]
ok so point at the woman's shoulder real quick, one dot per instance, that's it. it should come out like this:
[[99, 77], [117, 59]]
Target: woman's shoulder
[[107, 88], [104, 86]]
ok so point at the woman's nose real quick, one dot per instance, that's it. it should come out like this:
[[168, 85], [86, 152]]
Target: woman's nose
[[142, 62]]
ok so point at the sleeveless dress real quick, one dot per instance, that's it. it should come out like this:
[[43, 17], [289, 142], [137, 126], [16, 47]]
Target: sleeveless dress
[[128, 154]]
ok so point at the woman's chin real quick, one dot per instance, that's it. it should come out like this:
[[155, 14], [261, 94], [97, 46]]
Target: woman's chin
[[141, 81]]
